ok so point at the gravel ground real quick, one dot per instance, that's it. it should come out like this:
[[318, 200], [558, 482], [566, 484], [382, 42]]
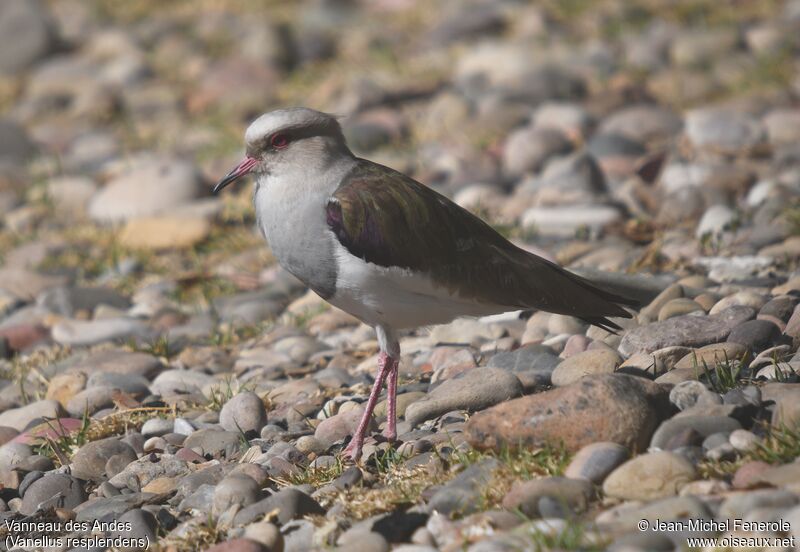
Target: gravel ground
[[164, 381]]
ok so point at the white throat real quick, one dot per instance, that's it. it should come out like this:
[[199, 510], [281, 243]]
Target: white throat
[[290, 212]]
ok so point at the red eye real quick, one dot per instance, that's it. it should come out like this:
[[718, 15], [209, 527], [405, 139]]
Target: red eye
[[279, 141]]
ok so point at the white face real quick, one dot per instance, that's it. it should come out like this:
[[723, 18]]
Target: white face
[[288, 138]]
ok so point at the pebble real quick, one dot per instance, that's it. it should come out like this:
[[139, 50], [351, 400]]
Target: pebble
[[12, 454], [756, 335], [595, 461], [649, 476], [164, 232], [235, 491], [28, 35], [54, 490], [743, 440], [90, 461], [152, 186], [617, 408], [528, 149], [171, 382], [724, 130], [687, 394], [703, 425], [244, 412], [19, 418], [290, 504], [336, 428], [214, 442], [477, 389], [587, 363], [574, 494], [678, 307], [266, 533], [84, 333], [687, 331], [122, 362]]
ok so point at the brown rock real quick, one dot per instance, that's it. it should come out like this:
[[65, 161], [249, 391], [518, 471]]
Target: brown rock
[[650, 476], [712, 355], [65, 386], [525, 495], [22, 336], [747, 475], [164, 232], [611, 407], [587, 363]]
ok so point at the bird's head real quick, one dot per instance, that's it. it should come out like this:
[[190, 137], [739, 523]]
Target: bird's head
[[286, 138]]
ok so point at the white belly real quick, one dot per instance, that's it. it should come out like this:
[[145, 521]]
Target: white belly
[[395, 297]]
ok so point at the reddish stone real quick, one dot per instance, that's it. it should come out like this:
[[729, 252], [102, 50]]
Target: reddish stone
[[575, 344], [190, 456], [609, 407], [747, 475], [24, 336], [55, 429]]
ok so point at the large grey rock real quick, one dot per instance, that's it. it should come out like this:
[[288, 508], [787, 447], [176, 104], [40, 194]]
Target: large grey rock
[[687, 330], [290, 503], [90, 460], [55, 490], [477, 389]]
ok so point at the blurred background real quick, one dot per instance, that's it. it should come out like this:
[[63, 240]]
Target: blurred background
[[630, 136]]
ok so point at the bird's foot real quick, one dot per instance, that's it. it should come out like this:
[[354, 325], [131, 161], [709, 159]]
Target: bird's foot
[[390, 434], [353, 450]]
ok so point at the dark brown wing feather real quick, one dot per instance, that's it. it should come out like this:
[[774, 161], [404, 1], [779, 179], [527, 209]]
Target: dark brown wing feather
[[389, 219]]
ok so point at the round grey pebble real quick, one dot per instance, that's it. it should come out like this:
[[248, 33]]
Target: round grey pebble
[[244, 412], [56, 490], [90, 461], [157, 427], [235, 490], [595, 461]]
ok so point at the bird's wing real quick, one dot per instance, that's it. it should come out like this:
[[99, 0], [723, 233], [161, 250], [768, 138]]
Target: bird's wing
[[386, 218]]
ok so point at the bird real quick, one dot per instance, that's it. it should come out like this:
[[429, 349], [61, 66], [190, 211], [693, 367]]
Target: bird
[[389, 250]]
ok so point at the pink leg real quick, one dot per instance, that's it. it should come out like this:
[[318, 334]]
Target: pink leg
[[354, 448], [391, 411]]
